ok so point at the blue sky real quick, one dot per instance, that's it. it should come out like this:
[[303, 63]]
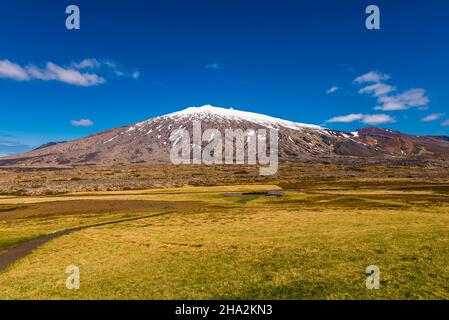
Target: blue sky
[[307, 61]]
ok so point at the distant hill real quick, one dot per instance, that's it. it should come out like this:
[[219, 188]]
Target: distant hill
[[50, 144]]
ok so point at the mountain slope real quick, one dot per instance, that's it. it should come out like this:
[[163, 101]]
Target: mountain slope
[[149, 142]]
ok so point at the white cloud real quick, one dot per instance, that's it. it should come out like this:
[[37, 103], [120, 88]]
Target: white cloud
[[12, 71], [445, 123], [371, 119], [432, 117], [66, 75], [406, 100], [82, 123], [332, 90], [51, 71], [347, 118], [372, 76], [378, 89], [74, 74], [375, 119], [383, 92], [391, 106]]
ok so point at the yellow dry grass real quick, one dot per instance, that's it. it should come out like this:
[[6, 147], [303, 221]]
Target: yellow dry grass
[[305, 245]]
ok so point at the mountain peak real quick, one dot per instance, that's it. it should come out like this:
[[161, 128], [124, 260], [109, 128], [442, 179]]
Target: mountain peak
[[210, 111], [208, 107], [205, 109]]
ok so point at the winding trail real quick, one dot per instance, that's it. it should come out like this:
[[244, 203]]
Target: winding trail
[[14, 254]]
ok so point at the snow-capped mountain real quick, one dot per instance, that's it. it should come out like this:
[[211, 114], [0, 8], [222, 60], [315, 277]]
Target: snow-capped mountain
[[209, 113], [149, 141]]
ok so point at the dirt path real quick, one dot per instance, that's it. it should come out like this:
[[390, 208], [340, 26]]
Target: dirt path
[[14, 254]]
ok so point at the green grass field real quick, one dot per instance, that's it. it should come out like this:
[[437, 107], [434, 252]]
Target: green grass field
[[313, 243]]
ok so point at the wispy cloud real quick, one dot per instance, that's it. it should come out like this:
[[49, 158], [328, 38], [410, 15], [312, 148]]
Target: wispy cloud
[[332, 90], [445, 123], [107, 67], [378, 89], [10, 147], [70, 76], [371, 119], [82, 123], [86, 73], [345, 119], [12, 71], [383, 93], [403, 101], [87, 64], [373, 76], [377, 119], [214, 66], [432, 117]]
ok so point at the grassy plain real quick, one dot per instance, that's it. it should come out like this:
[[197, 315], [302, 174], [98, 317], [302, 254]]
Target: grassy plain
[[313, 243]]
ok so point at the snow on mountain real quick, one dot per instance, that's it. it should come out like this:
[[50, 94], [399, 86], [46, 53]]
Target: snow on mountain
[[209, 112]]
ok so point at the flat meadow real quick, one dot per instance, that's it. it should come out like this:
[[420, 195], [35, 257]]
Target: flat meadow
[[315, 242]]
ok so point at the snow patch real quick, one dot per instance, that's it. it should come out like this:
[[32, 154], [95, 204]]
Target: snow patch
[[110, 140]]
